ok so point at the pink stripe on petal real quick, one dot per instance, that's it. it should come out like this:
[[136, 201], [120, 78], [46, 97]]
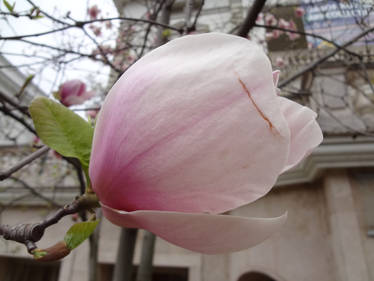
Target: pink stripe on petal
[[204, 233]]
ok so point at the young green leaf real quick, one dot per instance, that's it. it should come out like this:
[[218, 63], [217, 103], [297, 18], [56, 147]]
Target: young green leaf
[[8, 6], [78, 233], [62, 129]]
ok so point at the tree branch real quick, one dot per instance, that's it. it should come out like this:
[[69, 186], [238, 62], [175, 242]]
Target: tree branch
[[36, 193], [250, 19], [323, 59], [30, 233], [24, 162]]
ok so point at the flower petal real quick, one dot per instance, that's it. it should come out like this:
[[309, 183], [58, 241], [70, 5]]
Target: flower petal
[[204, 233], [276, 74], [305, 131], [191, 127]]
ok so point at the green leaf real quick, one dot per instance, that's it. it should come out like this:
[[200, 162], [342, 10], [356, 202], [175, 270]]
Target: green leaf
[[8, 6], [25, 84], [39, 254], [166, 33], [62, 129], [78, 233]]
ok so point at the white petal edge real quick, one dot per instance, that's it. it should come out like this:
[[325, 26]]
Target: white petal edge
[[305, 131], [203, 233], [276, 74]]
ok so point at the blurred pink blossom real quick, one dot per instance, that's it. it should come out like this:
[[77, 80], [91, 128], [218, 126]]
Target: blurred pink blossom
[[279, 62], [97, 31], [108, 24], [93, 12], [270, 19], [276, 34], [293, 36], [268, 36], [92, 113], [299, 12], [282, 23], [188, 131], [73, 92]]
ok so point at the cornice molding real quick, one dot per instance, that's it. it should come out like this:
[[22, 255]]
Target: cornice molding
[[333, 153]]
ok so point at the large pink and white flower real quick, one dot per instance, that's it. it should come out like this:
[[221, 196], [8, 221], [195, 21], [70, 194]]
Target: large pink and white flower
[[73, 92], [192, 130]]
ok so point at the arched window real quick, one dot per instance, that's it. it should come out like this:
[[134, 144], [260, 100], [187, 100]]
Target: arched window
[[255, 276]]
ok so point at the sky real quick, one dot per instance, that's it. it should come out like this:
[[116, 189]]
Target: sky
[[47, 77]]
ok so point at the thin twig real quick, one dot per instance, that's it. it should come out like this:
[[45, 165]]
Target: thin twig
[[193, 26], [15, 104], [36, 193], [273, 27], [31, 233], [8, 112], [250, 20], [323, 59], [24, 162]]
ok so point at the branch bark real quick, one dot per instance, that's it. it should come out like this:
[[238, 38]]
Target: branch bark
[[40, 152], [324, 58], [30, 233], [250, 19]]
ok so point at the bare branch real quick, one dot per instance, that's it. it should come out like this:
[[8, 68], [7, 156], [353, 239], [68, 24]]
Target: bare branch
[[323, 59], [13, 103], [314, 35], [31, 233], [24, 162], [36, 193], [193, 26], [250, 19], [8, 112]]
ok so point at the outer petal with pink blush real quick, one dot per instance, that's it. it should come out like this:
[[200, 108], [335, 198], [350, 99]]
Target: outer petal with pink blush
[[191, 127], [305, 131], [204, 233]]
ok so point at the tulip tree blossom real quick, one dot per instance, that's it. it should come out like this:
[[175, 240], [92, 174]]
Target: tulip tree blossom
[[73, 92], [192, 130], [93, 12]]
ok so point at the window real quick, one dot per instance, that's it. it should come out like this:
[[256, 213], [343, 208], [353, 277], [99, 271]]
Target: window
[[255, 276], [24, 269], [159, 273]]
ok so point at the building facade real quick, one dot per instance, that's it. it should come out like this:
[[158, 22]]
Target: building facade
[[329, 197]]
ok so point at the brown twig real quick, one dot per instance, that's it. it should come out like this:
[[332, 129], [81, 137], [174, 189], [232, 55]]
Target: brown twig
[[6, 174], [36, 193], [273, 27], [15, 104], [250, 20], [30, 233], [324, 58]]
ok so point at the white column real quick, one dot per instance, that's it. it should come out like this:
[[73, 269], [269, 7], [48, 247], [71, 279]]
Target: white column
[[345, 231], [215, 267]]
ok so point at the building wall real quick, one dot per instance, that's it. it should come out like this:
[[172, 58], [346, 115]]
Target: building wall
[[324, 238]]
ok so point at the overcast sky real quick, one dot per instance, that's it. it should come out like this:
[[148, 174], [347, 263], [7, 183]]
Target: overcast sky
[[46, 77]]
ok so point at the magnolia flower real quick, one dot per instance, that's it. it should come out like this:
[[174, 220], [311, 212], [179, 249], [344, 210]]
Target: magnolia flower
[[282, 23], [73, 92], [279, 62], [93, 12], [270, 19], [192, 130], [299, 12], [92, 113]]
